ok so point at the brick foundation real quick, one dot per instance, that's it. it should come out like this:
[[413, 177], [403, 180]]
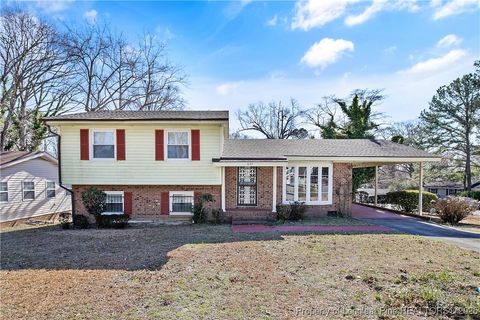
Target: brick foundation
[[146, 199]]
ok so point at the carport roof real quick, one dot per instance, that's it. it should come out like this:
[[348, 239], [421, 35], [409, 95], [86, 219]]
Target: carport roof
[[334, 149]]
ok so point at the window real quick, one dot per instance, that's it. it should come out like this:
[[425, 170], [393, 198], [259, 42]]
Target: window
[[28, 190], [309, 184], [103, 144], [3, 191], [50, 189], [433, 190], [114, 202], [290, 183], [178, 145], [247, 186], [181, 202]]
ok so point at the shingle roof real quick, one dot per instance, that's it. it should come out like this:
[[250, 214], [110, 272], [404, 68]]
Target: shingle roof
[[281, 149], [8, 157], [141, 116]]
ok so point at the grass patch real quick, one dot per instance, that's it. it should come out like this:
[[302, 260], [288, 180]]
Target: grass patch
[[324, 221], [205, 271]]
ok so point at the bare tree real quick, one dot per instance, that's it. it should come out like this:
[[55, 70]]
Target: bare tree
[[34, 72], [273, 120], [112, 74]]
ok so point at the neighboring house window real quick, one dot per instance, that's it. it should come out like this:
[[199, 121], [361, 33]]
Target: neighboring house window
[[103, 144], [312, 185], [50, 189], [181, 202], [114, 202], [3, 191], [433, 190], [247, 186], [28, 190], [178, 145]]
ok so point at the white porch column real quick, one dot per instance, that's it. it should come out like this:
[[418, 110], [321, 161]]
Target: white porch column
[[420, 191], [376, 185], [274, 190], [223, 188]]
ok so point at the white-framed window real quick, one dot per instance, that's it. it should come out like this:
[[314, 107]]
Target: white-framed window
[[3, 191], [103, 144], [178, 144], [114, 202], [309, 184], [181, 202], [28, 190], [50, 189]]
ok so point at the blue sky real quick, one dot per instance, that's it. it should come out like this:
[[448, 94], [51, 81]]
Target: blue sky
[[237, 53]]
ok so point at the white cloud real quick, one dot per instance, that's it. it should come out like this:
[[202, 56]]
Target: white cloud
[[272, 22], [436, 64], [454, 7], [233, 9], [390, 49], [448, 41], [227, 88], [313, 13], [376, 6], [91, 16], [326, 51]]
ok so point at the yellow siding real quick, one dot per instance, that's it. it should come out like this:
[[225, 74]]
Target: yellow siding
[[140, 167]]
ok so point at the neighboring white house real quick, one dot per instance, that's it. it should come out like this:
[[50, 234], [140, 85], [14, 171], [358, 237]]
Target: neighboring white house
[[29, 186]]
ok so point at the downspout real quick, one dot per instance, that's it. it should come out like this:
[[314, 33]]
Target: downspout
[[59, 139]]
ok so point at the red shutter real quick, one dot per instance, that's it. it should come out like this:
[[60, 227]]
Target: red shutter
[[120, 144], [164, 205], [84, 144], [159, 145], [127, 203], [195, 145]]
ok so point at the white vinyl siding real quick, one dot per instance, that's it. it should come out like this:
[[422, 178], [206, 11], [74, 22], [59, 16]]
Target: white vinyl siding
[[38, 171], [140, 167]]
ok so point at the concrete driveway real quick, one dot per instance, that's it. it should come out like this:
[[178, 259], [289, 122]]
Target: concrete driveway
[[410, 225]]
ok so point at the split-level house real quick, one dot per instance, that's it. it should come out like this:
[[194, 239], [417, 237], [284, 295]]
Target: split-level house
[[155, 163]]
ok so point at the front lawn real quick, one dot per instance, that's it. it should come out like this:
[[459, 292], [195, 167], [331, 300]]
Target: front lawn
[[191, 272], [324, 221]]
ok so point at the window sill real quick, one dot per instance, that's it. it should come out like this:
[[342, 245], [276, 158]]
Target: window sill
[[110, 213], [180, 213]]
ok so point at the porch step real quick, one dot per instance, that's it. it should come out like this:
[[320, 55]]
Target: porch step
[[250, 216]]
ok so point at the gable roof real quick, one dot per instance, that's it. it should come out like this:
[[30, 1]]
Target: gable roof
[[11, 158], [120, 115], [269, 149]]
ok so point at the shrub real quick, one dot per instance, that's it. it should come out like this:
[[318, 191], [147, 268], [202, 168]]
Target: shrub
[[454, 209], [218, 215], [297, 210], [283, 212], [199, 213], [471, 194], [407, 200], [64, 218], [118, 221], [80, 221], [94, 201]]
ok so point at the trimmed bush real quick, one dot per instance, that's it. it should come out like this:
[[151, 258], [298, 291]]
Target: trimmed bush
[[65, 218], [202, 207], [283, 212], [94, 201], [407, 200], [80, 221], [218, 215], [470, 194], [455, 209]]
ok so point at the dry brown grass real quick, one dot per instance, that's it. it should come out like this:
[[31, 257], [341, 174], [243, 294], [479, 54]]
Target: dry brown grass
[[190, 272]]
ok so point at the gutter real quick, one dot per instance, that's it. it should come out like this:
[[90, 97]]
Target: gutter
[[59, 139]]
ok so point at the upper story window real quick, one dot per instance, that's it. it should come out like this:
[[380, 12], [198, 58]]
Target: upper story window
[[50, 189], [103, 144], [3, 192], [178, 145], [28, 190]]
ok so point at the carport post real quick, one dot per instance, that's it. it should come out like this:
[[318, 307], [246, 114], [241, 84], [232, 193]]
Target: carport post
[[376, 185], [420, 191]]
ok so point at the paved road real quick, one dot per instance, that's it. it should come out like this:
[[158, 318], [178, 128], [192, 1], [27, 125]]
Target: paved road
[[406, 224]]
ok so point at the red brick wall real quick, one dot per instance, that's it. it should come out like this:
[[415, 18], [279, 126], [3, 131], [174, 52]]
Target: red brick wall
[[146, 199], [342, 186]]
